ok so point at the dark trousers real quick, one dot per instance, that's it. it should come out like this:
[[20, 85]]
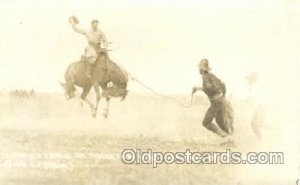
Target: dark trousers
[[220, 111]]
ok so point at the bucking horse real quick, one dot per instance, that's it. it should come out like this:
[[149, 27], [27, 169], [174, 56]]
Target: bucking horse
[[112, 84]]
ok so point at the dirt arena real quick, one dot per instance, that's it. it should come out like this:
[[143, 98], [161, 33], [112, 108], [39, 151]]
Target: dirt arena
[[48, 140]]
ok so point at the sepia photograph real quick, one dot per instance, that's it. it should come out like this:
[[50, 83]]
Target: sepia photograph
[[149, 92]]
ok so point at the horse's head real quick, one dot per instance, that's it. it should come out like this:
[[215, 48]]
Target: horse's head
[[69, 90]]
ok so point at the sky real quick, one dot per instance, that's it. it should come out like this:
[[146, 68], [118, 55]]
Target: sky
[[158, 42]]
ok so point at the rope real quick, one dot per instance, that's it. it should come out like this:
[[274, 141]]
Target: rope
[[161, 95], [154, 91]]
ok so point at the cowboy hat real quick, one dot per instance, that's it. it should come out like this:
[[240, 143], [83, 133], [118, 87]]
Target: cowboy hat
[[94, 21], [73, 20], [204, 65]]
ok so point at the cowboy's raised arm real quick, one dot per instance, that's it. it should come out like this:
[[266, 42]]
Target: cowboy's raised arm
[[74, 21], [78, 30]]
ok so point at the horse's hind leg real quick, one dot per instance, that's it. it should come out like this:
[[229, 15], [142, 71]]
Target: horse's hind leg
[[106, 108], [98, 97], [83, 98]]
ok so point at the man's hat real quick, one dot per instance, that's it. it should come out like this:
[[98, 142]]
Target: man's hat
[[74, 20], [204, 65], [94, 21]]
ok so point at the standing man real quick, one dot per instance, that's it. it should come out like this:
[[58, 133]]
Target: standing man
[[97, 43], [220, 109]]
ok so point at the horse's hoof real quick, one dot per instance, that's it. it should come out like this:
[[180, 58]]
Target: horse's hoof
[[123, 97], [81, 104], [94, 111], [105, 115], [93, 114]]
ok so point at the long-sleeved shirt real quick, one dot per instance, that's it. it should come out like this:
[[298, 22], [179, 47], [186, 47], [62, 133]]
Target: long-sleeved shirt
[[94, 37], [212, 85]]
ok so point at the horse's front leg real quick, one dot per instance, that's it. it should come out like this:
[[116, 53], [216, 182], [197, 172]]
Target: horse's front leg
[[106, 107], [83, 98], [98, 98]]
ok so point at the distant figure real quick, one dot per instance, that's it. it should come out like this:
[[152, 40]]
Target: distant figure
[[32, 93], [258, 120], [97, 44], [220, 109], [260, 110]]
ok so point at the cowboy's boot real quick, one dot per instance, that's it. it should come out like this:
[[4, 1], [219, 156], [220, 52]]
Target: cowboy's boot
[[215, 129], [229, 142], [89, 70]]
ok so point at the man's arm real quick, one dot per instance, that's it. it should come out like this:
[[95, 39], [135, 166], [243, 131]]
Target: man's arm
[[195, 89], [210, 84], [74, 21], [223, 86], [104, 39], [78, 30]]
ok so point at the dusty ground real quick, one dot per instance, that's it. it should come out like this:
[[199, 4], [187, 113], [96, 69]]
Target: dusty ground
[[47, 124]]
